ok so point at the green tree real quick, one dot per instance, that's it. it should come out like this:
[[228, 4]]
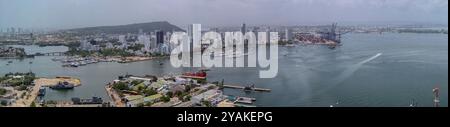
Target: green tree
[[33, 104], [120, 86], [165, 98], [150, 92], [4, 103], [3, 91], [179, 93], [187, 98], [206, 103], [187, 88], [136, 82], [22, 87], [169, 94], [136, 47]]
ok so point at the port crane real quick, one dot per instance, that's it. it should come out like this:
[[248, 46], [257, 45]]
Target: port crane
[[332, 34]]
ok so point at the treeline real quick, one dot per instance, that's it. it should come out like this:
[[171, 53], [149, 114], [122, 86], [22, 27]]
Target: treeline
[[19, 80], [431, 31]]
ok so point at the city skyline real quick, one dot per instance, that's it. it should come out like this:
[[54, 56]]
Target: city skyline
[[82, 13]]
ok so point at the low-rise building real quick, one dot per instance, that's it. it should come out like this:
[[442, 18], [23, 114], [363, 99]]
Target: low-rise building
[[153, 98], [213, 96]]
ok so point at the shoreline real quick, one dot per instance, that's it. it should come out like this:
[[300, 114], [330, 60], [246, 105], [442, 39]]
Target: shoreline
[[31, 95], [114, 96], [75, 61]]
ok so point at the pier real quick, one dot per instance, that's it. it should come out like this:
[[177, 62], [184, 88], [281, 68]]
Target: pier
[[245, 100], [49, 54], [243, 88], [115, 97]]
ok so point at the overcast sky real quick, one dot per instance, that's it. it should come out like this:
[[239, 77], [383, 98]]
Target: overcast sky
[[82, 13]]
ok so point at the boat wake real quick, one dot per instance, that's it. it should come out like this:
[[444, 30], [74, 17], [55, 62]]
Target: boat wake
[[349, 72], [343, 76]]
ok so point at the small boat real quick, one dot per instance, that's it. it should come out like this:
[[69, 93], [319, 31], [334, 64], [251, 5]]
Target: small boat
[[42, 102], [10, 61], [31, 62], [74, 64], [413, 103], [41, 91], [249, 88], [290, 45], [82, 63], [56, 59]]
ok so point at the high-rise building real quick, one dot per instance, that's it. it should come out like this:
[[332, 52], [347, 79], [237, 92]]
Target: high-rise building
[[144, 39], [140, 32], [13, 31], [243, 29], [288, 34], [159, 37], [85, 45], [123, 41]]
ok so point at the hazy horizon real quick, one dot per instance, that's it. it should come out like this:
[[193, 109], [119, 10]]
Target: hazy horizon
[[88, 13]]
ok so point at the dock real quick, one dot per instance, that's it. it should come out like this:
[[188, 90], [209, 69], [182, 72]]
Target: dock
[[114, 96], [243, 87], [245, 100], [47, 82], [32, 94]]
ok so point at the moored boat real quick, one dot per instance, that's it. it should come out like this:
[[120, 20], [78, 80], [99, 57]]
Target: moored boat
[[93, 100], [196, 75], [41, 91]]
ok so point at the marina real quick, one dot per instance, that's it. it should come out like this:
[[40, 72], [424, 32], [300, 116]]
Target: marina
[[83, 61]]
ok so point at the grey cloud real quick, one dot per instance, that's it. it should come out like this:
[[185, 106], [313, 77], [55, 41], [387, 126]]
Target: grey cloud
[[79, 13]]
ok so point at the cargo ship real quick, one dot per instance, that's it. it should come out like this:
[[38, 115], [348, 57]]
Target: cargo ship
[[196, 75], [63, 85]]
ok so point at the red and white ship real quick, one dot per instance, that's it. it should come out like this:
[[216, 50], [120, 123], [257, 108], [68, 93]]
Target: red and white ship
[[196, 75]]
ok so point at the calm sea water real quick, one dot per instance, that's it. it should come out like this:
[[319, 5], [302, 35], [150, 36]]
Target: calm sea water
[[369, 70]]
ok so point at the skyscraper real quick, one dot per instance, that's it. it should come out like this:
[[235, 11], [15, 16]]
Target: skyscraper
[[140, 32], [144, 39], [159, 37], [243, 29], [13, 31], [288, 34]]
